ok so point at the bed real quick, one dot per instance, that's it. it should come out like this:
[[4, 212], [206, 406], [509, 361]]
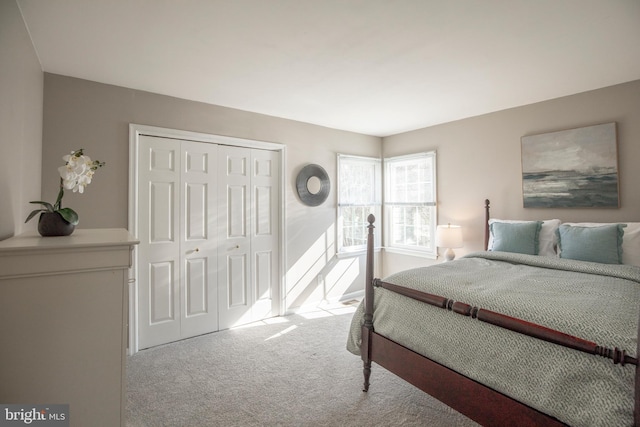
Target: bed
[[513, 338]]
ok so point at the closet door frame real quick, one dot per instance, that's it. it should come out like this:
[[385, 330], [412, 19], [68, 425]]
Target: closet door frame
[[135, 131]]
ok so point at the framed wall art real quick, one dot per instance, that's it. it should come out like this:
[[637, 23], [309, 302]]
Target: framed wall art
[[576, 168]]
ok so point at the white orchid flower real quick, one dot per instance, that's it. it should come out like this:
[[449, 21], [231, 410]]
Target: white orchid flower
[[75, 175], [77, 172]]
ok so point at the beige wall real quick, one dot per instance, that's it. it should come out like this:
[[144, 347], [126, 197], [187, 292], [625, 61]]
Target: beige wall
[[96, 117], [479, 158], [21, 82]]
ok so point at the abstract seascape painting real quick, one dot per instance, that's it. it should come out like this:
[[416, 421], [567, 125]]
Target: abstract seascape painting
[[576, 168]]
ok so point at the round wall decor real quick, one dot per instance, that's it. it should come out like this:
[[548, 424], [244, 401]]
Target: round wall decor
[[313, 185]]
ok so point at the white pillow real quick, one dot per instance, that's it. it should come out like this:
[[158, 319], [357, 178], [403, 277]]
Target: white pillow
[[548, 239], [630, 240]]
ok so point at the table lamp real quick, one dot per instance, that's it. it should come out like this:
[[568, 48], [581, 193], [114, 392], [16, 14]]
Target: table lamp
[[450, 237]]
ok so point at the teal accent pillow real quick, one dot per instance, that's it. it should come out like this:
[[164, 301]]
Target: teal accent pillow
[[596, 244], [520, 237]]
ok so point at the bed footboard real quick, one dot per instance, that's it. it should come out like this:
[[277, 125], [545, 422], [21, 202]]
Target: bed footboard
[[511, 323]]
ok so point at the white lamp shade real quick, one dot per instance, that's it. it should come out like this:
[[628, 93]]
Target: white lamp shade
[[449, 236]]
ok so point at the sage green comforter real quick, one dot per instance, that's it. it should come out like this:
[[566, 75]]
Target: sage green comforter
[[596, 302]]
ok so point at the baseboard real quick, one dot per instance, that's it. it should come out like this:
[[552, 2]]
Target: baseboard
[[358, 295]]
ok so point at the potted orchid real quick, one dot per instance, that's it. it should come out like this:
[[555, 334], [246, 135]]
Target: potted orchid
[[75, 175]]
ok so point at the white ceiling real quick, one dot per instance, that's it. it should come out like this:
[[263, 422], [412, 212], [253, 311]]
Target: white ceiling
[[377, 67]]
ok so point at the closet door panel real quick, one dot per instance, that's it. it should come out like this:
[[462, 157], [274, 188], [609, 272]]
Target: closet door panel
[[234, 260], [159, 248], [263, 262], [196, 211], [199, 310], [265, 233], [161, 292], [236, 206], [161, 210], [237, 281], [197, 289]]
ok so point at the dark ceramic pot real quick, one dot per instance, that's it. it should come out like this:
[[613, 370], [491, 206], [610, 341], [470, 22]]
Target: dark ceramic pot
[[52, 224]]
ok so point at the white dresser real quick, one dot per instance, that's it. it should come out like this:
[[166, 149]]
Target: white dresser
[[63, 316]]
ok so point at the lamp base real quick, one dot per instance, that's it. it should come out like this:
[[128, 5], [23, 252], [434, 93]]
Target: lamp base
[[449, 255]]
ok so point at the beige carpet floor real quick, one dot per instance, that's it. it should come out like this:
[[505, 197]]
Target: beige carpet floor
[[288, 371]]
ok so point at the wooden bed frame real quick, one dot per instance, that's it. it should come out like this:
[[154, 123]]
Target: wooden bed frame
[[478, 402]]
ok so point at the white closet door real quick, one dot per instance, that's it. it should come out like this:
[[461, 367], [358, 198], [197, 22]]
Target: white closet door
[[248, 256], [177, 290], [209, 230], [198, 229], [234, 250], [265, 233], [159, 248]]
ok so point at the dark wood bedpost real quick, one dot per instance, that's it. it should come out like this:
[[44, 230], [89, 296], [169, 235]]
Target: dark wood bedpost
[[486, 224], [636, 409], [367, 328]]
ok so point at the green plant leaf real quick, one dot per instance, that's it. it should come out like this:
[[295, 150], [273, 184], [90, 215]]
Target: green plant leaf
[[34, 213], [47, 207], [69, 215]]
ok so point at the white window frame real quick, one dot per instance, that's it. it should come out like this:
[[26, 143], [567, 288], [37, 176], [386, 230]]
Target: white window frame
[[375, 205], [430, 251]]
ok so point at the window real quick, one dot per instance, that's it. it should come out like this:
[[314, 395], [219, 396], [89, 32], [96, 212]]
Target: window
[[359, 194], [410, 203]]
